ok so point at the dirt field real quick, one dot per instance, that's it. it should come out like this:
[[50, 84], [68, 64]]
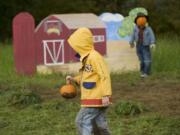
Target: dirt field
[[160, 97]]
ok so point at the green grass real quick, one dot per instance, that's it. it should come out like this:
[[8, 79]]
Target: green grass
[[152, 125], [54, 116], [166, 56], [57, 116]]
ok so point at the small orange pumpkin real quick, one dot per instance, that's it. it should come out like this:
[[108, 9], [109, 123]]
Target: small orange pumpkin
[[68, 91], [141, 21]]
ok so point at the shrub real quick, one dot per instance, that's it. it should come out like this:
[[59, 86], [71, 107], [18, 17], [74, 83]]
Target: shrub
[[24, 98], [129, 108]]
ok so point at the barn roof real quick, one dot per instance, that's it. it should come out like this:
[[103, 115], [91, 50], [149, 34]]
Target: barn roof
[[74, 21]]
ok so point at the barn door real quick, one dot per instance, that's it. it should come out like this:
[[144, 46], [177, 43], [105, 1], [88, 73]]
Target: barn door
[[53, 52]]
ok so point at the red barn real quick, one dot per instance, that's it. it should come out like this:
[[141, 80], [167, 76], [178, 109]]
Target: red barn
[[52, 33]]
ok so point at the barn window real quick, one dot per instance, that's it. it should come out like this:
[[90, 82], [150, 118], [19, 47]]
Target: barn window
[[53, 26], [98, 38]]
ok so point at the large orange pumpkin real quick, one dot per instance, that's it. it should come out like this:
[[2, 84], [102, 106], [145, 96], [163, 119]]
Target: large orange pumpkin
[[141, 21], [68, 91]]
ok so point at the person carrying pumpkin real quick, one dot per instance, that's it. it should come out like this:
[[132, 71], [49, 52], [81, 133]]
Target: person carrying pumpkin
[[144, 39], [95, 84]]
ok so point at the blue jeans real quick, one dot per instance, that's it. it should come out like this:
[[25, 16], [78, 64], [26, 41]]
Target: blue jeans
[[89, 118], [144, 55]]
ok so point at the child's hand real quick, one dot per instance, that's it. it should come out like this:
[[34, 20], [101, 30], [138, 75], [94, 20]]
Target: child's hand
[[105, 101], [69, 79]]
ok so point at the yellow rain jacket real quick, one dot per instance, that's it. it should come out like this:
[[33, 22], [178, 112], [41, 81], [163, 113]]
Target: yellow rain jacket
[[94, 78]]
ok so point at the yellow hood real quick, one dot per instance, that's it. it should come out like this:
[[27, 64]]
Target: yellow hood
[[82, 42]]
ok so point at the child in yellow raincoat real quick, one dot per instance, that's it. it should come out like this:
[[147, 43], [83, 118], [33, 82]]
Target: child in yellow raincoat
[[95, 84]]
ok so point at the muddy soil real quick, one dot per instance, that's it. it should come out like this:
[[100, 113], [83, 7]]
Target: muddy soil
[[158, 96]]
